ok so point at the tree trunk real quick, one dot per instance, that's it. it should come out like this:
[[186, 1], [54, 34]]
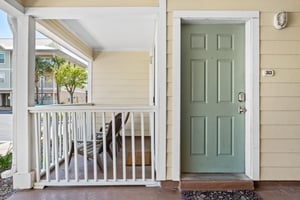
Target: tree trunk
[[71, 96], [37, 93], [36, 83], [57, 94]]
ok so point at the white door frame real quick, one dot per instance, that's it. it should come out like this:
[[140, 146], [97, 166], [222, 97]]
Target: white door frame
[[252, 135]]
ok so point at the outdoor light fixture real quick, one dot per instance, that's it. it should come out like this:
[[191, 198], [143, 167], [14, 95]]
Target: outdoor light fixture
[[280, 20]]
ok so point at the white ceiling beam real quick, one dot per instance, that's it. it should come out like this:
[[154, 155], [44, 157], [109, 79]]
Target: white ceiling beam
[[90, 12], [12, 7], [58, 33]]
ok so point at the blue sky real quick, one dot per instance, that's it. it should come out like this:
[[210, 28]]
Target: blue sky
[[5, 31]]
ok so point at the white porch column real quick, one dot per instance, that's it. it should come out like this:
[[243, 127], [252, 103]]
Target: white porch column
[[23, 83]]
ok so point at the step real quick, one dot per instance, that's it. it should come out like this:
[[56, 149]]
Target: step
[[212, 182]]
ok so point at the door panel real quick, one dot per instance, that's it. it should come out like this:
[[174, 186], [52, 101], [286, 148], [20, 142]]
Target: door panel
[[212, 75], [198, 136], [198, 81], [225, 136], [225, 81]]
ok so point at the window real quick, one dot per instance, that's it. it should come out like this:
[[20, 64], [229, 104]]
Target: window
[[2, 58]]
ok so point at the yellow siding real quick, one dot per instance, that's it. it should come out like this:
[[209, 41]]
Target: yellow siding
[[280, 173], [280, 47], [294, 15], [280, 146], [87, 3], [280, 103], [280, 61], [268, 33], [262, 5], [280, 95], [280, 131], [280, 160], [283, 76], [280, 89], [121, 78]]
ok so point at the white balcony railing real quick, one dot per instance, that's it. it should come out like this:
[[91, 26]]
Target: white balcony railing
[[71, 148]]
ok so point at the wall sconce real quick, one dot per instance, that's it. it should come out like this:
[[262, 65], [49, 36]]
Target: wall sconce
[[280, 20]]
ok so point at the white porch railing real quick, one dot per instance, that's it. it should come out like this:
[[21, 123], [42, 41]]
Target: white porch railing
[[58, 129]]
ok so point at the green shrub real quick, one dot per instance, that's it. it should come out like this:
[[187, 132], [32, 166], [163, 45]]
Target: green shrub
[[5, 161]]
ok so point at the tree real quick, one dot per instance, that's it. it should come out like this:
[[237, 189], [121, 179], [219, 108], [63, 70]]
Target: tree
[[56, 63], [42, 66], [71, 78]]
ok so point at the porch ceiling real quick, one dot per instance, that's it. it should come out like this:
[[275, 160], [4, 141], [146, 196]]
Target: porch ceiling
[[114, 31], [106, 28]]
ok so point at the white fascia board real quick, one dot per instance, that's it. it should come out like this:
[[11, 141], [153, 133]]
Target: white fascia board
[[83, 12], [12, 7]]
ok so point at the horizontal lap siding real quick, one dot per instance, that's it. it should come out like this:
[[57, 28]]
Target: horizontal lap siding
[[280, 100], [280, 95], [121, 78]]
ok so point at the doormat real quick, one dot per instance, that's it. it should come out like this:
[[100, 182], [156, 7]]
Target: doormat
[[216, 195]]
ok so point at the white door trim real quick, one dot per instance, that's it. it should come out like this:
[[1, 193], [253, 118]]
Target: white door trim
[[252, 135]]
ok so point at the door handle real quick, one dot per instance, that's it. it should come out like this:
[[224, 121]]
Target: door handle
[[242, 110]]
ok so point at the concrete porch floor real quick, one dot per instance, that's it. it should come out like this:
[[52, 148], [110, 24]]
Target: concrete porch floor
[[266, 190], [103, 193]]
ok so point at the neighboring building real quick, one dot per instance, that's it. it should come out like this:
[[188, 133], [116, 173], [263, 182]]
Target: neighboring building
[[217, 82], [46, 49], [5, 76]]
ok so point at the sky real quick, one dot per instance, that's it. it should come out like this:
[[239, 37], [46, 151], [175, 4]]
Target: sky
[[5, 31]]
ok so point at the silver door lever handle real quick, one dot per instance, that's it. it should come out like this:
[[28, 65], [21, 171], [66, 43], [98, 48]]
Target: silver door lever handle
[[242, 110]]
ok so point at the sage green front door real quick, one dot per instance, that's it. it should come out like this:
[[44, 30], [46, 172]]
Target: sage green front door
[[212, 98]]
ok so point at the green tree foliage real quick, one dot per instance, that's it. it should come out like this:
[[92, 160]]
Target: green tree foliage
[[42, 66], [71, 78], [56, 63]]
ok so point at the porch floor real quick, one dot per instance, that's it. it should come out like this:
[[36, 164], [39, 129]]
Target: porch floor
[[103, 193], [266, 190]]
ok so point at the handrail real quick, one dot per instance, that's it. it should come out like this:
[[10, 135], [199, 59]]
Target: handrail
[[65, 133], [89, 108]]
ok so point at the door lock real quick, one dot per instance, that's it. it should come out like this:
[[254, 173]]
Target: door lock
[[242, 110], [242, 97]]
